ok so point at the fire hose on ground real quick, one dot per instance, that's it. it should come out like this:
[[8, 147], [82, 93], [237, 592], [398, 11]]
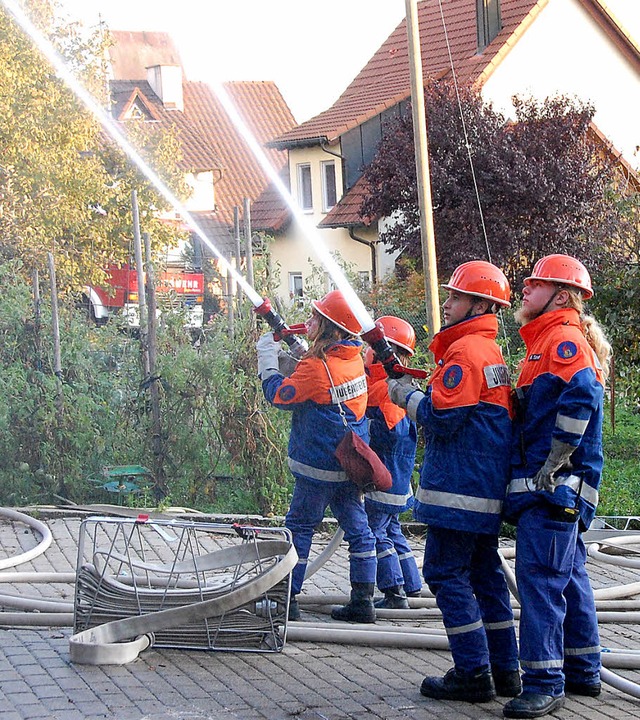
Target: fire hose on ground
[[121, 641]]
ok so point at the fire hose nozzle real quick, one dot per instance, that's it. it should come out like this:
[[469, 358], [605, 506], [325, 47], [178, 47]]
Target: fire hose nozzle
[[385, 354], [281, 331]]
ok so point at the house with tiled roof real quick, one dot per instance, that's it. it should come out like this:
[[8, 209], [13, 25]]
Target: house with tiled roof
[[148, 83], [506, 47]]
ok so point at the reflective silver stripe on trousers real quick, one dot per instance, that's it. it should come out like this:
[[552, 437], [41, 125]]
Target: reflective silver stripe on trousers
[[316, 473], [464, 628], [459, 502], [582, 651], [571, 425], [541, 664], [366, 554], [405, 556], [499, 625], [386, 553], [388, 498], [520, 485], [302, 561]]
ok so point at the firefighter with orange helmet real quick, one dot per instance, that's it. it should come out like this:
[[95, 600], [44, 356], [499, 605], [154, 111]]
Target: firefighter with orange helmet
[[394, 438], [327, 385], [465, 414], [552, 497]]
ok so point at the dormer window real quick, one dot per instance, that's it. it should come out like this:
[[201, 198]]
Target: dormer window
[[489, 21]]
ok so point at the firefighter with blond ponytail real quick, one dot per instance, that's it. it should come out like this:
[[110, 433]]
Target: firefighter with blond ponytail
[[465, 414], [553, 494], [326, 392]]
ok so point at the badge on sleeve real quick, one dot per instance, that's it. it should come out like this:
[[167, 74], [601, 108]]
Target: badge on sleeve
[[452, 377], [287, 393], [567, 350]]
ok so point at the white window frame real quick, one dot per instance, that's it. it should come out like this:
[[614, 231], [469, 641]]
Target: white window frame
[[326, 200], [292, 284], [302, 170]]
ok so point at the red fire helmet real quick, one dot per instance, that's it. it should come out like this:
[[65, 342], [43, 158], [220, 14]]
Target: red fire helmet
[[482, 279], [334, 307], [565, 270]]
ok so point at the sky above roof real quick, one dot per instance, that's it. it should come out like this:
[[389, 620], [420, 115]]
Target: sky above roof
[[312, 49]]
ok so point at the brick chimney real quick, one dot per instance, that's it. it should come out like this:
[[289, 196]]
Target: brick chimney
[[166, 83]]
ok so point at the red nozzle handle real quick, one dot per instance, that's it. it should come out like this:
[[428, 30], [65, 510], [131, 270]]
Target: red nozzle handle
[[413, 372], [298, 329]]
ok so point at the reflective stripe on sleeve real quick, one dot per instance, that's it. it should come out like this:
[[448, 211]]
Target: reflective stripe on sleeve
[[522, 485], [571, 425]]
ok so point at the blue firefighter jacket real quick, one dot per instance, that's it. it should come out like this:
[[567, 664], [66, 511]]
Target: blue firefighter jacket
[[394, 438], [561, 390], [316, 424], [466, 419]]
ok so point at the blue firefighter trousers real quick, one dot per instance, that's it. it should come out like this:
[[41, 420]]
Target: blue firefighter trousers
[[310, 499], [396, 563], [558, 624], [464, 572]]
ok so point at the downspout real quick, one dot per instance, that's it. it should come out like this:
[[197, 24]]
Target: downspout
[[372, 246]]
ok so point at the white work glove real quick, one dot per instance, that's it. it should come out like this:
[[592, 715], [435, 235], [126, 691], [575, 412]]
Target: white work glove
[[267, 349], [558, 459]]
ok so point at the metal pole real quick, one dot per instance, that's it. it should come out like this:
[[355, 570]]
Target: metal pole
[[248, 242], [142, 305], [55, 325], [427, 235], [236, 236]]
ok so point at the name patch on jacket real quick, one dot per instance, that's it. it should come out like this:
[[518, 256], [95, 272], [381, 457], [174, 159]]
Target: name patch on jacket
[[496, 376], [534, 357], [349, 390]]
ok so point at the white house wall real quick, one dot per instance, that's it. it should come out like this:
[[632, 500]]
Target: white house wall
[[565, 51], [294, 252]]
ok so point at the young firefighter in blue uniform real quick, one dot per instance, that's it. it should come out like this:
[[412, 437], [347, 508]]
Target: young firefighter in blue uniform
[[465, 414], [553, 494], [328, 382], [394, 438]]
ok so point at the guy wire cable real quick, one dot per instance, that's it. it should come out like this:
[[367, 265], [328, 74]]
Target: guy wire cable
[[471, 166]]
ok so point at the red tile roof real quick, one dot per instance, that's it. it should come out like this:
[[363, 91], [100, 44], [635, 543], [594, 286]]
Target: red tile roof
[[133, 52], [384, 80], [270, 213], [266, 115], [197, 156], [209, 139], [346, 212]]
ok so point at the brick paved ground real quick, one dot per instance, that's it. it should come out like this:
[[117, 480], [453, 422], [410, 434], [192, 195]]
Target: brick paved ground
[[307, 681]]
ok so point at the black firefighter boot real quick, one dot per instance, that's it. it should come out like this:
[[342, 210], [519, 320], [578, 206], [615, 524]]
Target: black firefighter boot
[[394, 599], [360, 608]]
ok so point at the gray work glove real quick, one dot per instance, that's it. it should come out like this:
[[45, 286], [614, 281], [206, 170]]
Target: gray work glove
[[558, 459], [287, 363], [267, 349]]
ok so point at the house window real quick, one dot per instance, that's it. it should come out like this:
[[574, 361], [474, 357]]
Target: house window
[[296, 287], [364, 280], [489, 22], [305, 196], [329, 197]]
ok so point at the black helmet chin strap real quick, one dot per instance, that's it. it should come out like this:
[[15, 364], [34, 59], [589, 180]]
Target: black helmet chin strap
[[557, 289]]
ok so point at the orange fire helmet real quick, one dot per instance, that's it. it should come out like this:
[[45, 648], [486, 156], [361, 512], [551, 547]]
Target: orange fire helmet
[[334, 307], [399, 332], [565, 270], [481, 279]]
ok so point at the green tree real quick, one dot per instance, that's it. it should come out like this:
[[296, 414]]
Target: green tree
[[64, 187], [543, 182]]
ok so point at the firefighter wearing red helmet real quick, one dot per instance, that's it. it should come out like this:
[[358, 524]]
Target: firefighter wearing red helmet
[[552, 497], [465, 414], [328, 383], [394, 438]]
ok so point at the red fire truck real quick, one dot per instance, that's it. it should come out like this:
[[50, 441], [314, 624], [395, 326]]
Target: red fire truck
[[177, 290]]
